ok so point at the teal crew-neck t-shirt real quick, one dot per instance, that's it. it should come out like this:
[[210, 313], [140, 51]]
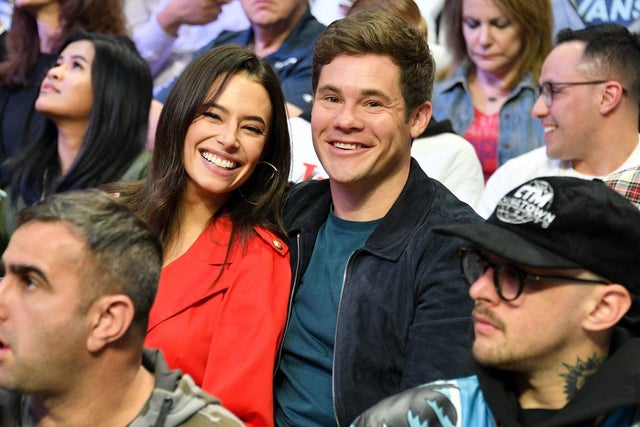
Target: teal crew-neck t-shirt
[[303, 387]]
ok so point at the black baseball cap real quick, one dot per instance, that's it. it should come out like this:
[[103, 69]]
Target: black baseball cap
[[563, 223]]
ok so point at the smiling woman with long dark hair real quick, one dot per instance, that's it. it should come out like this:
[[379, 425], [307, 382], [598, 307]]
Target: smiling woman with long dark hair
[[214, 193]]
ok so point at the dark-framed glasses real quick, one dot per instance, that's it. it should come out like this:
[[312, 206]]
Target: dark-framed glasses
[[548, 89], [507, 278]]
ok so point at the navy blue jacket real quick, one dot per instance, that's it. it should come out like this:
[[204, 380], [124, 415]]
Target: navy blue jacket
[[291, 62], [405, 315]]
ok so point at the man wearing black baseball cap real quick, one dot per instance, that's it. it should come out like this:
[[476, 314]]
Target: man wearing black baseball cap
[[555, 276]]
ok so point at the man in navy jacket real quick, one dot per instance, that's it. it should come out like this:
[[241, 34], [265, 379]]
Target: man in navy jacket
[[378, 303]]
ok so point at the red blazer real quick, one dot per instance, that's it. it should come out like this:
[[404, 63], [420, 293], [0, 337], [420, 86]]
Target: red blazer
[[226, 334]]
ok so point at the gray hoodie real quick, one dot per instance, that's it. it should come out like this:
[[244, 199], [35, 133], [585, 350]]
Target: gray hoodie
[[176, 401]]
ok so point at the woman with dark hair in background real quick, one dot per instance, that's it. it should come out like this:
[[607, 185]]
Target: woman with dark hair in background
[[214, 193], [38, 30], [95, 101]]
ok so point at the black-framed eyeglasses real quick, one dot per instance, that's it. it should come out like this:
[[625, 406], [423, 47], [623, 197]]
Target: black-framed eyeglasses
[[507, 278], [548, 89]]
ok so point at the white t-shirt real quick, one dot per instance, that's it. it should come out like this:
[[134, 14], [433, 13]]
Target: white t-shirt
[[531, 165]]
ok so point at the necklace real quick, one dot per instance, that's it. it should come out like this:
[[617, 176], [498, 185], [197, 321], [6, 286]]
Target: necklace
[[490, 93]]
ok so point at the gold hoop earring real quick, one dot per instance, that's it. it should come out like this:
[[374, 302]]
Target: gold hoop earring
[[256, 174], [275, 170]]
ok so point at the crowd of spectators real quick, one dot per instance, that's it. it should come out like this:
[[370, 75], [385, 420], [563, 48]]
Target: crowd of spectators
[[353, 212]]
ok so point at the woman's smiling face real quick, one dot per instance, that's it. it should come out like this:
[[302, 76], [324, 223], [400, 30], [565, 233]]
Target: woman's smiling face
[[224, 144]]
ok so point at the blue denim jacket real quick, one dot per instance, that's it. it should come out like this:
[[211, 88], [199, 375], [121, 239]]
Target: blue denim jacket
[[292, 61], [518, 132]]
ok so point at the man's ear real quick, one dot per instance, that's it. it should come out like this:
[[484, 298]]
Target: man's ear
[[109, 318], [611, 96], [420, 118], [611, 303]]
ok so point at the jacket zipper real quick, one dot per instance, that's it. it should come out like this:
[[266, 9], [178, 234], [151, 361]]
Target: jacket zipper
[[293, 288], [335, 336]]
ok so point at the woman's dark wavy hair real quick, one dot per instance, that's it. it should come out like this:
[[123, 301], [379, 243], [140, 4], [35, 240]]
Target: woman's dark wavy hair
[[122, 90], [23, 43], [257, 202]]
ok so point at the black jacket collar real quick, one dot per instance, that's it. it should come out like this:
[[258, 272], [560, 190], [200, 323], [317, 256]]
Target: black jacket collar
[[616, 385]]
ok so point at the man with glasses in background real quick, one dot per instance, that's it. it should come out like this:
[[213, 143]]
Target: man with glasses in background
[[588, 105], [554, 277]]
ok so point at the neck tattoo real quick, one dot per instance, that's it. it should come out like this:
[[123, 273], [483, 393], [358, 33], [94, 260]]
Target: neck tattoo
[[578, 374]]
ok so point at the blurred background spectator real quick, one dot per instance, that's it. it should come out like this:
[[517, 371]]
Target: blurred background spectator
[[497, 50], [169, 32], [96, 102], [283, 33], [328, 11], [37, 31]]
